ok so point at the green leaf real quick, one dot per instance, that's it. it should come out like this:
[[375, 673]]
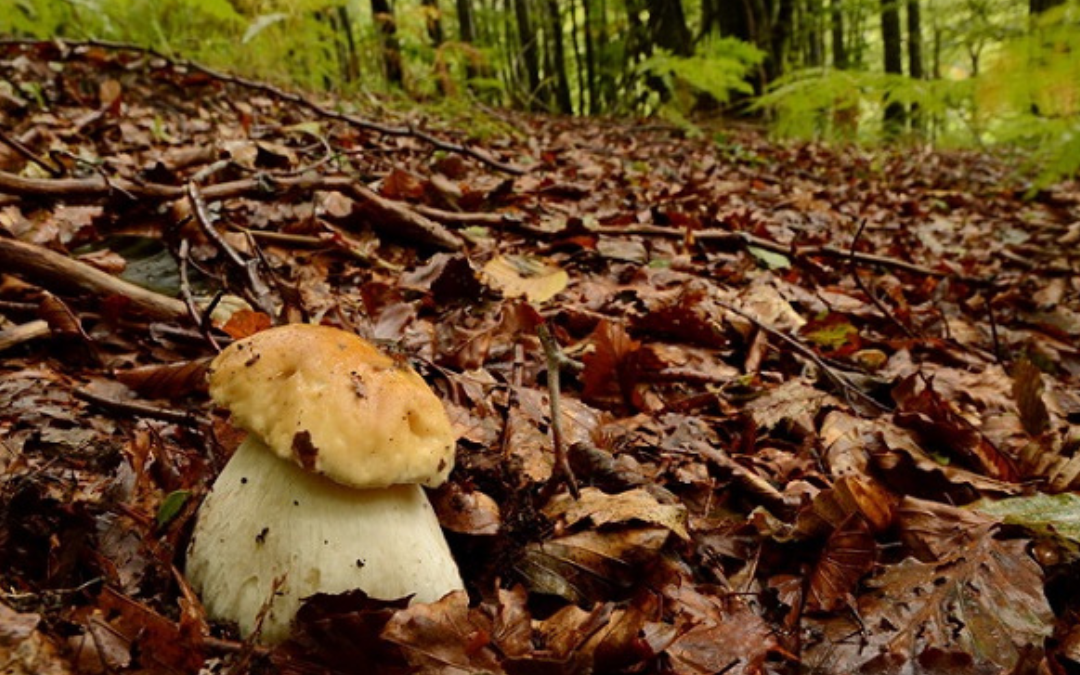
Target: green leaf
[[773, 261], [1046, 515], [171, 506]]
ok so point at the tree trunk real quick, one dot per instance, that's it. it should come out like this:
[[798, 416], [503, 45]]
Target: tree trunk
[[433, 21], [780, 38], [892, 41], [915, 58], [530, 53], [384, 19], [667, 27], [839, 48], [590, 60], [579, 65], [1040, 6], [466, 29], [558, 58], [814, 31]]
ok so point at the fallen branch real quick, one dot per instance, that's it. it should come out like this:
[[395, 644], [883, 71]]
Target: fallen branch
[[281, 94], [387, 215], [24, 332], [58, 272], [258, 288]]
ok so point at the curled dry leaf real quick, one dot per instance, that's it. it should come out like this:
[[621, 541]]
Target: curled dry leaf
[[603, 509], [465, 511], [168, 381]]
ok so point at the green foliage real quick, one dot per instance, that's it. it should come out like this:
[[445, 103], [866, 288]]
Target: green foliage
[[719, 69], [847, 104]]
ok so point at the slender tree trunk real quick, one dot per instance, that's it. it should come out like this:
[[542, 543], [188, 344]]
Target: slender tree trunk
[[433, 21], [892, 41], [579, 65], [667, 27], [530, 51], [839, 49], [814, 30], [1040, 6], [466, 28], [780, 38], [384, 18], [467, 35], [590, 59], [558, 54], [915, 59]]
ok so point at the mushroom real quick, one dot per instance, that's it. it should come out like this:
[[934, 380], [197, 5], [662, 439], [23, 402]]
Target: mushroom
[[324, 495]]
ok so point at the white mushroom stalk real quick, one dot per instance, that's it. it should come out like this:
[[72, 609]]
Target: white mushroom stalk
[[324, 494]]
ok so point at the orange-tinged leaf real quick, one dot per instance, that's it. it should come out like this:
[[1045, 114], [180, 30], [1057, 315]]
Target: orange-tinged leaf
[[245, 323]]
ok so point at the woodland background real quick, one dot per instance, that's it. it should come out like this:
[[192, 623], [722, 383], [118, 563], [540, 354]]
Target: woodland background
[[970, 73]]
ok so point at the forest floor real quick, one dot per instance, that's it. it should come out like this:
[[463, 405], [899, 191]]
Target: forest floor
[[817, 405]]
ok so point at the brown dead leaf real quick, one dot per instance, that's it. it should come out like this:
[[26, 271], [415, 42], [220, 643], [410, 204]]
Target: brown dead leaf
[[445, 637], [521, 276], [717, 633], [466, 511], [944, 431], [1028, 390], [341, 634], [24, 650], [170, 381], [933, 531], [793, 402], [849, 554], [590, 566], [614, 370], [632, 505]]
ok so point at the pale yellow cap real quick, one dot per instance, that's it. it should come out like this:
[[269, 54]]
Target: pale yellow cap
[[332, 403]]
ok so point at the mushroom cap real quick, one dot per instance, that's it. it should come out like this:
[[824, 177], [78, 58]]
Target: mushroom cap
[[330, 402]]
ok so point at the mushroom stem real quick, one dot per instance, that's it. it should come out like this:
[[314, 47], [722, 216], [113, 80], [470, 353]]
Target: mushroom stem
[[266, 517]]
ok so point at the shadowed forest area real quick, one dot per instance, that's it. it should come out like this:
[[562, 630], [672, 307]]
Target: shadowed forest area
[[693, 337]]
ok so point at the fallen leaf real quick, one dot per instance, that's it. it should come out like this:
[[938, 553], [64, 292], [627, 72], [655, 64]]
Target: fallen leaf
[[633, 505]]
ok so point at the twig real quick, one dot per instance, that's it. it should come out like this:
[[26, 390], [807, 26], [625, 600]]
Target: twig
[[296, 99], [459, 218], [556, 360], [136, 409], [833, 374], [24, 332], [56, 271], [201, 319], [387, 215], [260, 291], [866, 291], [28, 154]]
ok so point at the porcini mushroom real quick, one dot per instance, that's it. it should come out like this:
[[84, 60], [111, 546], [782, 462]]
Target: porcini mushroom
[[324, 495]]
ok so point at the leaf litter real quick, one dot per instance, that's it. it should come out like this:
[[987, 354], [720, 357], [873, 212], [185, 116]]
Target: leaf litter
[[796, 381]]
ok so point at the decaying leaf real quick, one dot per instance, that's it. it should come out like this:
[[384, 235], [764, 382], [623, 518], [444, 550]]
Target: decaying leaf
[[518, 276], [983, 598], [633, 505], [24, 650], [591, 565]]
